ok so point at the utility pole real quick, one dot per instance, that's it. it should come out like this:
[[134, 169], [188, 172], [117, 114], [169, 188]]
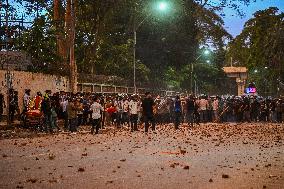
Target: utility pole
[[134, 60], [8, 74], [134, 51], [195, 87], [191, 79]]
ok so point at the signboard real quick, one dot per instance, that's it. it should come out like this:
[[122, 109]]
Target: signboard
[[250, 90]]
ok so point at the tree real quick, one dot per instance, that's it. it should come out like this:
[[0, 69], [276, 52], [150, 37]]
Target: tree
[[166, 44], [40, 42], [260, 48]]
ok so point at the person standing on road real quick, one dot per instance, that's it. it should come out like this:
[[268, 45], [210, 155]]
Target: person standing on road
[[72, 115], [254, 107], [133, 110], [203, 106], [279, 110], [178, 113], [148, 113], [79, 105], [215, 107], [246, 110], [64, 105], [86, 109], [119, 111], [38, 100], [2, 106], [46, 110], [96, 109], [125, 114], [190, 105], [54, 116], [26, 100]]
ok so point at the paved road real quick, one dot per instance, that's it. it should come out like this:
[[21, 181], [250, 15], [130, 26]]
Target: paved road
[[207, 156]]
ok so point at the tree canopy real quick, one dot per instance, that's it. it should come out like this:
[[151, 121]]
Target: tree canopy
[[167, 43], [260, 47]]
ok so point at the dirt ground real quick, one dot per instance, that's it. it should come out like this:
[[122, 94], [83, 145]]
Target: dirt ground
[[206, 156]]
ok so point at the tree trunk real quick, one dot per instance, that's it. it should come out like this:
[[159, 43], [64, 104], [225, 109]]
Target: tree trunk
[[56, 16], [62, 48], [70, 11]]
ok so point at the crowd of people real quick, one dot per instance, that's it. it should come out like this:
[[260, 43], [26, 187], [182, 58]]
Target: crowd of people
[[122, 110]]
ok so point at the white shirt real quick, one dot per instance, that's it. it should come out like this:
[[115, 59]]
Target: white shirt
[[125, 106], [118, 105], [215, 104], [26, 100], [133, 107], [64, 105], [96, 108], [203, 104]]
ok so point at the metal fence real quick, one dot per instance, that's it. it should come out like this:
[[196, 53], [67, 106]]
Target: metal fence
[[115, 89]]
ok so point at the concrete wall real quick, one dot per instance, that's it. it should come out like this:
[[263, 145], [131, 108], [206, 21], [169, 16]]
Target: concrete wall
[[34, 81]]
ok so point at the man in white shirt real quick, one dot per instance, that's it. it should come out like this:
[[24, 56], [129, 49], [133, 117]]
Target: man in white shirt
[[26, 100], [134, 107], [119, 109], [96, 109], [125, 115], [215, 106], [203, 107], [64, 105]]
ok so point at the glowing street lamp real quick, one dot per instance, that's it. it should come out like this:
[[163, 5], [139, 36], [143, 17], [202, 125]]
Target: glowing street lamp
[[162, 6], [206, 53]]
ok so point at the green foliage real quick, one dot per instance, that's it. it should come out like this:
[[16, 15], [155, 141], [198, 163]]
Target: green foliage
[[260, 47], [167, 42], [118, 60], [40, 43], [173, 78]]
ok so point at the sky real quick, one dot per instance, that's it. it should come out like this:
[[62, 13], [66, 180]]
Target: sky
[[234, 24]]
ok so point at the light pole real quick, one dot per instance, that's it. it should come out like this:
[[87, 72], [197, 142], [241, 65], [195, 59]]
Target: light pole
[[8, 73], [206, 52], [162, 6]]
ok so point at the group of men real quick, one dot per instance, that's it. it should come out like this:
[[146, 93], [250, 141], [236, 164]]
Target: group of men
[[90, 109], [133, 110]]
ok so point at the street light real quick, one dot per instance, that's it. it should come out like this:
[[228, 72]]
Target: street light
[[162, 6], [206, 53]]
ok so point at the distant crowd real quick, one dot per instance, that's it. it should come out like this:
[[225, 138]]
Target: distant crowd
[[122, 110]]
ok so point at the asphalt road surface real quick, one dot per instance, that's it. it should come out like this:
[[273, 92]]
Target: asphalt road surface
[[206, 156]]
